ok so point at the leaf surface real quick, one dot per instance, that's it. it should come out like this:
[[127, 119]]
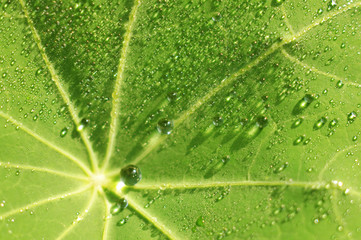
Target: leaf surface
[[242, 116]]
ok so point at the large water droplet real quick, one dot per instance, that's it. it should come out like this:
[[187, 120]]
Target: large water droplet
[[320, 123], [130, 175], [165, 126], [302, 104]]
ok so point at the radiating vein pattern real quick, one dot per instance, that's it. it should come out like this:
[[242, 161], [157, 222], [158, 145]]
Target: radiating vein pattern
[[46, 142], [60, 87], [42, 202]]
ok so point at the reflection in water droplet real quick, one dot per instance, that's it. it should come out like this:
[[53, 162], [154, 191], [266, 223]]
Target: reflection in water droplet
[[165, 126], [119, 206], [320, 123], [63, 132], [351, 117], [130, 175], [302, 104]]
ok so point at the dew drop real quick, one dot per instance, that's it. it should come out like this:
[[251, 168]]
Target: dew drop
[[339, 84], [297, 123], [262, 121], [281, 168], [200, 222], [172, 96], [302, 104], [351, 117], [320, 123], [83, 123], [130, 175], [165, 126], [119, 206], [332, 123], [122, 221], [63, 132], [276, 3], [217, 121], [17, 173], [298, 140]]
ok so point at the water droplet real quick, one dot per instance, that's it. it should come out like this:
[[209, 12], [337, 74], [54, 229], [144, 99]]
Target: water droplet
[[339, 84], [320, 123], [200, 222], [122, 221], [281, 168], [340, 228], [17, 173], [217, 121], [332, 123], [217, 167], [302, 104], [130, 175], [165, 126], [172, 96], [83, 123], [119, 206], [63, 132], [354, 138], [262, 121], [297, 123], [298, 140], [343, 45], [276, 3], [351, 117]]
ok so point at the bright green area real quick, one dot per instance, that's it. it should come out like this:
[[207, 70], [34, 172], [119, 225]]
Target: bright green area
[[242, 116]]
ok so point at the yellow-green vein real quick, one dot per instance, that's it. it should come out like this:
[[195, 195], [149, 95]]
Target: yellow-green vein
[[118, 83], [227, 81], [43, 201], [42, 169], [63, 93], [81, 216], [47, 143]]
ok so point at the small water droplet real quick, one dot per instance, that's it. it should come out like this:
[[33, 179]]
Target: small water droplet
[[83, 123], [165, 126], [297, 123], [320, 123], [63, 132], [217, 121], [351, 117], [119, 206], [302, 104], [339, 84], [298, 140], [276, 3], [332, 123], [17, 173], [130, 175], [281, 168], [200, 222], [122, 221], [262, 121], [354, 138], [172, 96]]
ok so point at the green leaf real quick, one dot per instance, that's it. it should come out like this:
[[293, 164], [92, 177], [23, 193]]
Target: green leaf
[[242, 117]]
